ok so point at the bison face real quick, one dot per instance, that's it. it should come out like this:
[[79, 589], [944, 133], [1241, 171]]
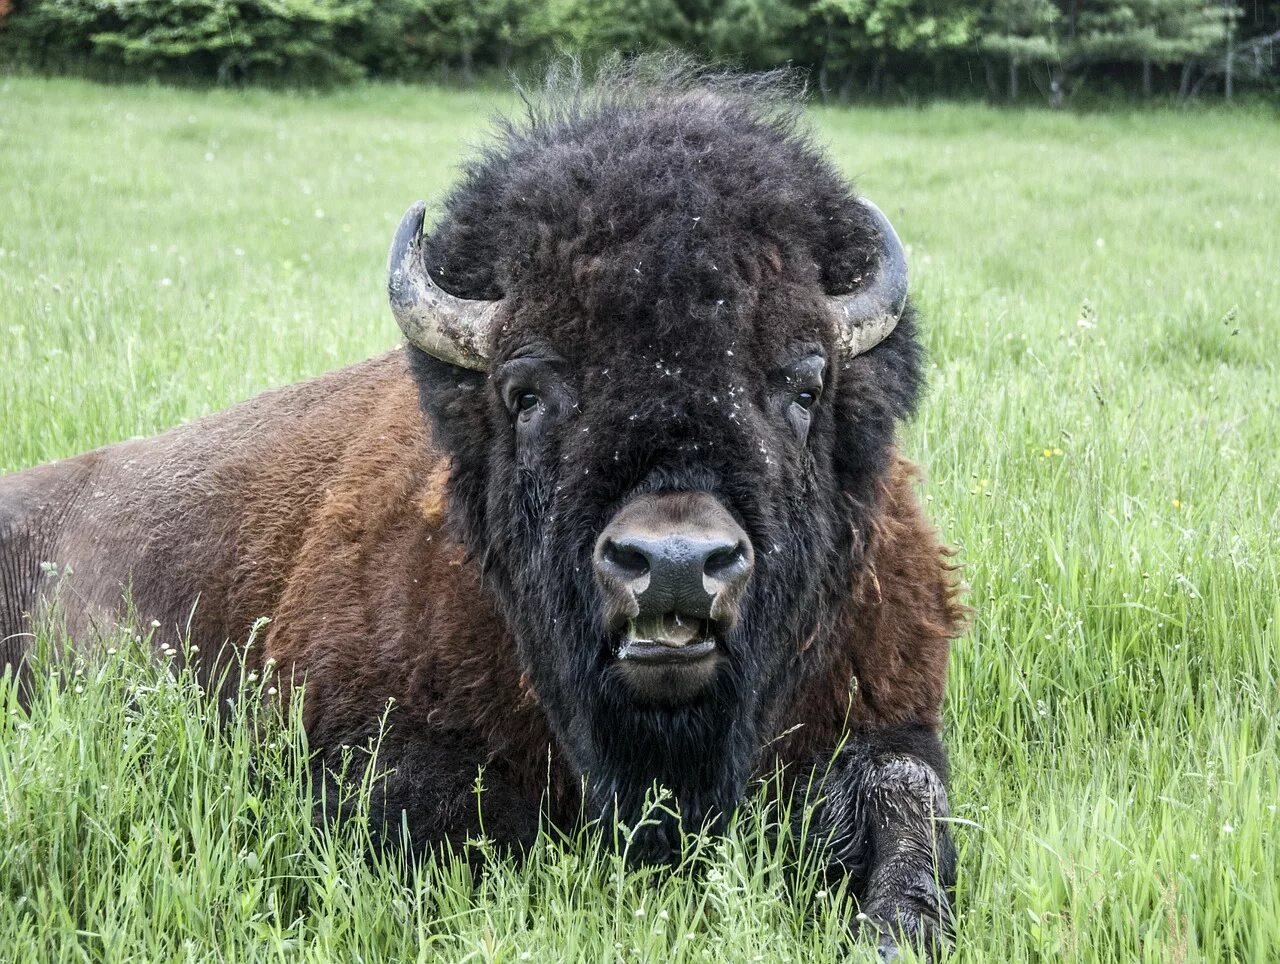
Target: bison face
[[667, 525], [670, 463], [665, 423]]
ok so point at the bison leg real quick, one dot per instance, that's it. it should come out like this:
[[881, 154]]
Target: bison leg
[[882, 822], [437, 792]]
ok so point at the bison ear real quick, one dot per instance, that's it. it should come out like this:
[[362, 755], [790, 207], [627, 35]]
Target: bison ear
[[455, 330], [868, 315]]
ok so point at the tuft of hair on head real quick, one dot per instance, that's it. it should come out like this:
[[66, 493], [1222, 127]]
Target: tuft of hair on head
[[569, 90]]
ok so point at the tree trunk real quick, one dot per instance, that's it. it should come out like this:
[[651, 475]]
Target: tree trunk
[[1184, 84], [873, 84], [846, 85], [1055, 87], [1013, 79], [1229, 63], [1146, 76], [823, 88], [989, 69]]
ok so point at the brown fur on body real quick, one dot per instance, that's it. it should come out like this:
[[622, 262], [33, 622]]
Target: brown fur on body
[[321, 506]]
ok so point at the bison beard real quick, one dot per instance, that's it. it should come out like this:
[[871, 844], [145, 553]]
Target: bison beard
[[657, 293]]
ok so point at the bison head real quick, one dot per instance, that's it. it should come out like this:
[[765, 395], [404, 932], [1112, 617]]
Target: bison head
[[665, 347]]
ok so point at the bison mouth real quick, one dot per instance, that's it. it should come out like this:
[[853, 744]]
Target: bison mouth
[[668, 659]]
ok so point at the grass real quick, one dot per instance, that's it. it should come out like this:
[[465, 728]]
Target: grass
[[1102, 297]]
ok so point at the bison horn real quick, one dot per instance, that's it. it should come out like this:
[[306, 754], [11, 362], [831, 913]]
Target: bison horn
[[452, 329], [867, 316]]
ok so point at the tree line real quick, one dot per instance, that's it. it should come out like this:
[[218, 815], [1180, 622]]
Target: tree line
[[1009, 49]]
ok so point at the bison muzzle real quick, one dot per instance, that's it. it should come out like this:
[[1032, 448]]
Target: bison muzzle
[[626, 512], [672, 568]]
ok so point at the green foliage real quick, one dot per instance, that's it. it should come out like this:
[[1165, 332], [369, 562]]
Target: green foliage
[[225, 39], [1075, 35], [626, 26], [1021, 30], [845, 30], [843, 41], [1161, 31], [752, 33]]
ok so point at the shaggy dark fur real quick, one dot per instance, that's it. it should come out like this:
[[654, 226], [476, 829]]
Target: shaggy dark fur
[[668, 248]]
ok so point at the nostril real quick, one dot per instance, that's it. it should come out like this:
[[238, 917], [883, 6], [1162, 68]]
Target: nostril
[[629, 561], [726, 562]]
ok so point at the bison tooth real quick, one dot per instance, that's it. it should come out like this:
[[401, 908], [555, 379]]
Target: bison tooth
[[668, 629]]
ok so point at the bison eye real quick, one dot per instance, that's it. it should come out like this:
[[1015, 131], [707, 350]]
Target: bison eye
[[527, 402], [799, 386]]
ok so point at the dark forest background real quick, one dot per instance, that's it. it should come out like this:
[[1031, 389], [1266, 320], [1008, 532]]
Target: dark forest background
[[1052, 51]]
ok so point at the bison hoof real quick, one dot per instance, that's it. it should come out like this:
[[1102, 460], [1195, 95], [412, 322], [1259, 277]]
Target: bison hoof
[[899, 924]]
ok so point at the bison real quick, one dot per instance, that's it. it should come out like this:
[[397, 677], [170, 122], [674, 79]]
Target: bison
[[626, 510]]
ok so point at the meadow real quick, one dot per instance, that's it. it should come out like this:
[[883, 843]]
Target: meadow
[[1101, 296]]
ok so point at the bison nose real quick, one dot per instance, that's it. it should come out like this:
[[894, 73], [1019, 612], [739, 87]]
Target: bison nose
[[677, 554], [676, 573]]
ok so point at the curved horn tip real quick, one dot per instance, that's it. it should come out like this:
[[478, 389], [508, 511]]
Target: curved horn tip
[[442, 325], [868, 315], [891, 243], [408, 232]]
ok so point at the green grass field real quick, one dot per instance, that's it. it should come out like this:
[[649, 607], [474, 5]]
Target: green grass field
[[1102, 297]]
